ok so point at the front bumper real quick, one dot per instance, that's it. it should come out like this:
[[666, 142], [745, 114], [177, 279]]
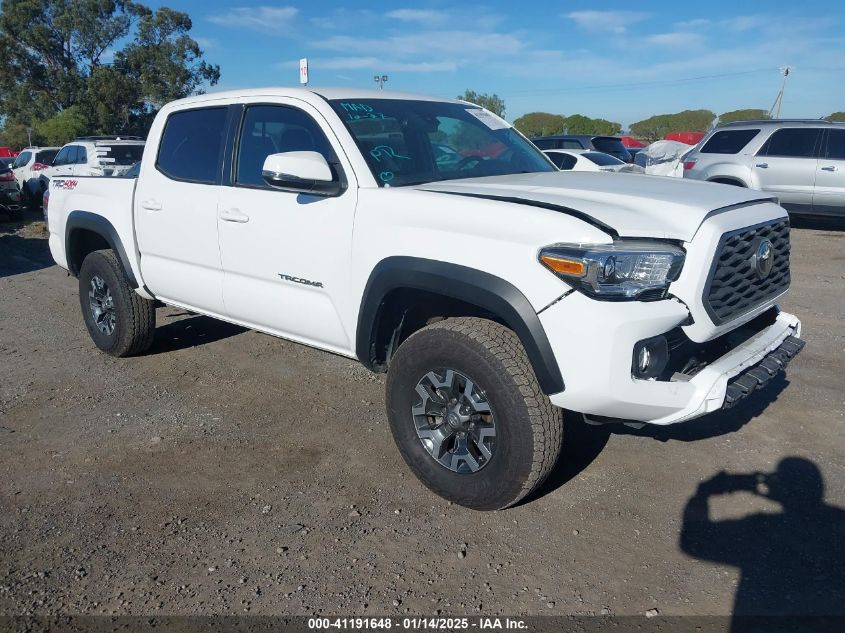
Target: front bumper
[[593, 342]]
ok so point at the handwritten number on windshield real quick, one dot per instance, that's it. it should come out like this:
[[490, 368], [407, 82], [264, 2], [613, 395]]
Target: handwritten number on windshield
[[386, 151]]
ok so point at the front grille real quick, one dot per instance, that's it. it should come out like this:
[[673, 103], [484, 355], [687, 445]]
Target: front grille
[[735, 286]]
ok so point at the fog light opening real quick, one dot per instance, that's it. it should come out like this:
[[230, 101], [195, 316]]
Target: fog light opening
[[650, 357]]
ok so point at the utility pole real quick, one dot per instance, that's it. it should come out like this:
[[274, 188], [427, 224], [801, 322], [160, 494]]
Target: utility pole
[[775, 109], [380, 80]]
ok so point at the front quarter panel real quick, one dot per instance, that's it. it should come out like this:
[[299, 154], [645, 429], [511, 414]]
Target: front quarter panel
[[499, 238]]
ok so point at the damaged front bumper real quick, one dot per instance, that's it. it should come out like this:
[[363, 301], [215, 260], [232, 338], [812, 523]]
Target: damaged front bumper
[[593, 342]]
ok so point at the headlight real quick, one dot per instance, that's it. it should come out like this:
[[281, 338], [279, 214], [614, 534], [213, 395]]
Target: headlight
[[624, 270]]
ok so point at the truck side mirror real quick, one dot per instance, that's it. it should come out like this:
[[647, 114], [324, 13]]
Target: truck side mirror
[[301, 172]]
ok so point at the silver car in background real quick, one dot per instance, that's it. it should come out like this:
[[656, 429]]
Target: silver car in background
[[802, 162]]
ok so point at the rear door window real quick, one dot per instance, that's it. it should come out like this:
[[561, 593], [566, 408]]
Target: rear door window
[[62, 157], [45, 157], [835, 145], [792, 143], [562, 161], [729, 141], [544, 143], [570, 144], [602, 160], [190, 147]]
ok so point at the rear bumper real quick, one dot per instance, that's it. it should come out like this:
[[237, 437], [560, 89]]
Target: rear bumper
[[593, 342], [10, 200]]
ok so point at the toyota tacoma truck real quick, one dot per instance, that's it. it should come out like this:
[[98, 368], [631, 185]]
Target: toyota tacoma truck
[[430, 240]]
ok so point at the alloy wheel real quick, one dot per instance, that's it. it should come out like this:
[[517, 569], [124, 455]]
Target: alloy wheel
[[454, 421], [102, 305]]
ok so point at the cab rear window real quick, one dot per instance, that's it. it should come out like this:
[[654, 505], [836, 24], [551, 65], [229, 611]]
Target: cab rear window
[[729, 141], [119, 154]]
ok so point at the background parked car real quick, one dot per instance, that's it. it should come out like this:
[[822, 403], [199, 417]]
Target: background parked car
[[607, 144], [664, 158], [584, 160], [27, 167], [802, 162], [91, 156], [10, 193], [6, 161]]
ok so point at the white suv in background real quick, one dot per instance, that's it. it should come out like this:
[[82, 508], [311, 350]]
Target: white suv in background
[[31, 160], [28, 166], [802, 162], [97, 156], [91, 156]]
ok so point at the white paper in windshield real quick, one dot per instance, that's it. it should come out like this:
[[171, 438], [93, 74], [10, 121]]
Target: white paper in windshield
[[489, 119]]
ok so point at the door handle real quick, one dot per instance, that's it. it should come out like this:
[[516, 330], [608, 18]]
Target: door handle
[[762, 165], [234, 215], [151, 205], [829, 168]]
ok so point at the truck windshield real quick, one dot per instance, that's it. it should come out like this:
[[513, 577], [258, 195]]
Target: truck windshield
[[119, 154], [408, 142]]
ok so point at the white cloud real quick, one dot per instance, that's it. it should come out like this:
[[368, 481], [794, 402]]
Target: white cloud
[[375, 64], [677, 39], [693, 24], [452, 44], [612, 21], [264, 18], [419, 16], [206, 43]]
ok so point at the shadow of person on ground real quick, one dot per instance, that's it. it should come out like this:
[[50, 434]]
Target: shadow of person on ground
[[791, 563], [191, 332]]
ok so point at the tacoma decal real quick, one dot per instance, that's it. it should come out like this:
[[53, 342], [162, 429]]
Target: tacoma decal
[[300, 280]]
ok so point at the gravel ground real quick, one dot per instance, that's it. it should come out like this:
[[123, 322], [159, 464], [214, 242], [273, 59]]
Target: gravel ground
[[228, 472]]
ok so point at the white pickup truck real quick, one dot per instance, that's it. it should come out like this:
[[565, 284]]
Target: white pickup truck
[[427, 238]]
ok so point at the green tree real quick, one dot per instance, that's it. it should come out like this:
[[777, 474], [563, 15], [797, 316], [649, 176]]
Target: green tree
[[63, 127], [580, 124], [540, 124], [492, 102], [658, 126], [14, 135], [836, 116], [744, 115], [117, 60]]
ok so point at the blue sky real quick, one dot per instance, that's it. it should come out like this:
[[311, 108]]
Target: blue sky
[[618, 60]]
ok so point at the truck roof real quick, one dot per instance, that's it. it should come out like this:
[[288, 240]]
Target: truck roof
[[298, 91]]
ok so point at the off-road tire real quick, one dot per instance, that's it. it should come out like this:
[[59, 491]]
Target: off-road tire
[[134, 316], [529, 429]]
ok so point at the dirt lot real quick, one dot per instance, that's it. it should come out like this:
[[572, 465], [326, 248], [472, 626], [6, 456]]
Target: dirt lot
[[230, 472]]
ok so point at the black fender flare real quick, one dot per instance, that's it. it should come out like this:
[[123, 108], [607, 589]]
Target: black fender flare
[[477, 287], [101, 226]]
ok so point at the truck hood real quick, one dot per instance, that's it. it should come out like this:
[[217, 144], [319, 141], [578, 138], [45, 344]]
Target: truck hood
[[631, 205]]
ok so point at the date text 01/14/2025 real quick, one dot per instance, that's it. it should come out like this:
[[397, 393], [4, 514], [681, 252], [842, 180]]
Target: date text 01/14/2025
[[417, 623]]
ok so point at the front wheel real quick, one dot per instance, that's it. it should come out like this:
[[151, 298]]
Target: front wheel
[[468, 415], [120, 321]]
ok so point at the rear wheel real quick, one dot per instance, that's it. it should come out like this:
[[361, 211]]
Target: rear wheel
[[119, 320], [468, 415]]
